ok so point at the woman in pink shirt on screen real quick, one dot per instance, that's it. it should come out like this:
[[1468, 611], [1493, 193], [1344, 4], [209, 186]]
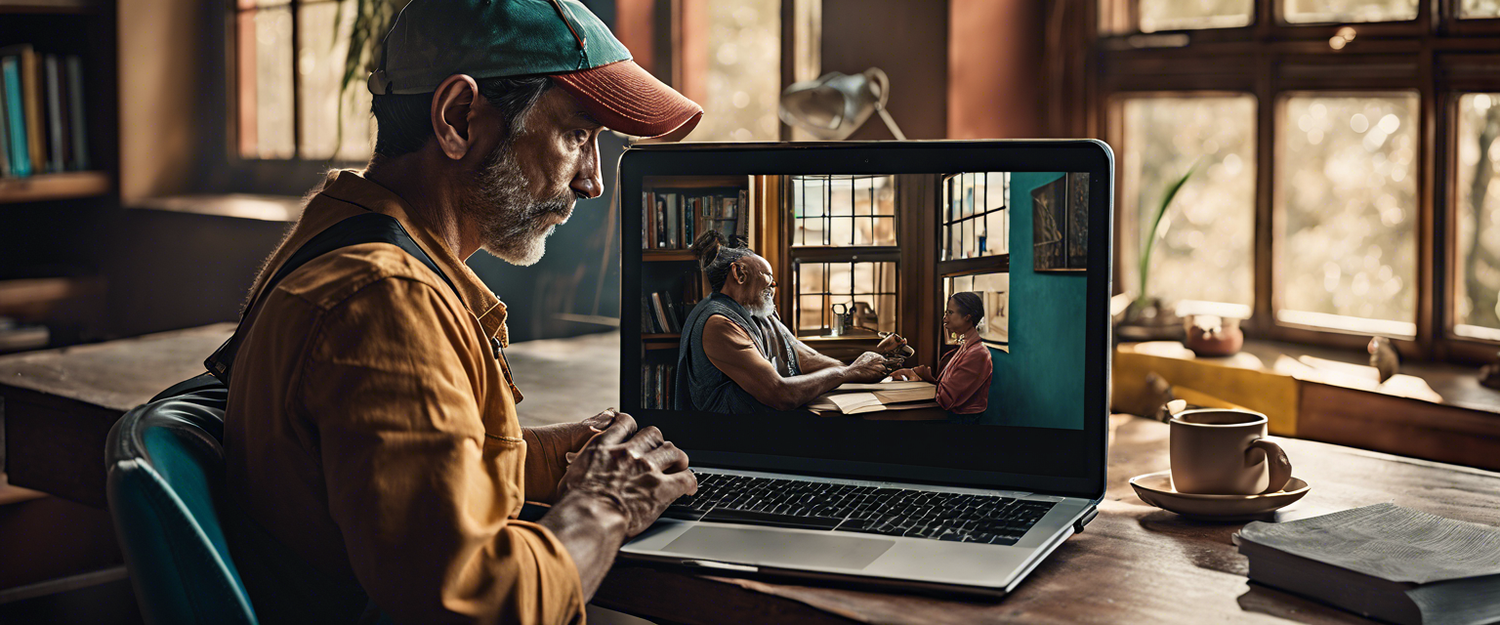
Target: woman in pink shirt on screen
[[963, 380]]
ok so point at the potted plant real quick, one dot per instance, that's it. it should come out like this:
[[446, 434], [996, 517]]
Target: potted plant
[[1147, 317]]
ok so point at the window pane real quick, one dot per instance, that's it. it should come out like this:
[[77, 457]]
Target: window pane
[[1314, 11], [1477, 261], [1346, 189], [741, 65], [868, 289], [320, 65], [266, 84], [975, 219], [1194, 14], [1479, 9], [1210, 227], [835, 211]]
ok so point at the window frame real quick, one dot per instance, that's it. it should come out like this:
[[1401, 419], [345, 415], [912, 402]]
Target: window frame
[[945, 270], [1435, 55], [792, 255]]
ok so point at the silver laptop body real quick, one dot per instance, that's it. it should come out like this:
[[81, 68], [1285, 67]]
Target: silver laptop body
[[919, 564]]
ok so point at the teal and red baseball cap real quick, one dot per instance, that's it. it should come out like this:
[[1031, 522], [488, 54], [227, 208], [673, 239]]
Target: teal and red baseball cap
[[433, 39]]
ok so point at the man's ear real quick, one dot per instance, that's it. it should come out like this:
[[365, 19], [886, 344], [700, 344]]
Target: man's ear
[[739, 273], [452, 109]]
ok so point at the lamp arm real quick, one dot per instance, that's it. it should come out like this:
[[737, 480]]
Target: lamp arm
[[889, 123]]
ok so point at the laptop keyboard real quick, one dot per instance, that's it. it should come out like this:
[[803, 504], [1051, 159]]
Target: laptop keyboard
[[954, 517]]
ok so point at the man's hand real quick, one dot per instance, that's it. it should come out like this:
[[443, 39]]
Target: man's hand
[[548, 451], [637, 472], [869, 367]]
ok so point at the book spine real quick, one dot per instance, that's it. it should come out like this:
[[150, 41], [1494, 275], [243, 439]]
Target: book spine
[[660, 312], [32, 95], [742, 226], [54, 115], [15, 108], [672, 220], [645, 382], [75, 110], [661, 222], [645, 220]]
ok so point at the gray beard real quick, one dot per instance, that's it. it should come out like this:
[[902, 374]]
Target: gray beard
[[765, 307], [513, 225]]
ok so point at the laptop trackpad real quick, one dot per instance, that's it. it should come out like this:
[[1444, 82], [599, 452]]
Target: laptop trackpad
[[770, 547]]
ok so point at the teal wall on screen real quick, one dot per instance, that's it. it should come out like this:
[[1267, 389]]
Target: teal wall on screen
[[1039, 383]]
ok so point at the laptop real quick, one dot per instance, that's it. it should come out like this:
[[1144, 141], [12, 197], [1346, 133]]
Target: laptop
[[965, 489]]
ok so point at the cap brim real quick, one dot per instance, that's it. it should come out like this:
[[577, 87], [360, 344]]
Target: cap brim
[[626, 98]]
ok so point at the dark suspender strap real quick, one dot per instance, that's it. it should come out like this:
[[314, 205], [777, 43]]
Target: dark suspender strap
[[362, 228]]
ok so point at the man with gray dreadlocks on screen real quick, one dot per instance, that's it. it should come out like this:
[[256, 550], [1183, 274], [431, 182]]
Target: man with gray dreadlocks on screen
[[737, 357]]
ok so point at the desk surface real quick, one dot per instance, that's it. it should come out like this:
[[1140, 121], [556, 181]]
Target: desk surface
[[1134, 563]]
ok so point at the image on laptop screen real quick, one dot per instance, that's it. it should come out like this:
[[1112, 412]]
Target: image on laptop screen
[[981, 272]]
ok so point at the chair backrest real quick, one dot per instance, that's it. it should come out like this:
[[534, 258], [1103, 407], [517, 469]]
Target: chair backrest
[[166, 461]]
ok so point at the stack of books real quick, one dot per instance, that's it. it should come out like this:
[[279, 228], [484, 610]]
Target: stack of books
[[41, 113], [864, 398], [663, 312], [674, 217], [1383, 561], [656, 385]]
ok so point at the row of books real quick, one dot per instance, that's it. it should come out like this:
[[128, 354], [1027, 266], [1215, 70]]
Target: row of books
[[672, 218], [656, 385], [41, 113], [663, 313]]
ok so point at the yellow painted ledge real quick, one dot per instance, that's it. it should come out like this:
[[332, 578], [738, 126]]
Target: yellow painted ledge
[[1240, 380]]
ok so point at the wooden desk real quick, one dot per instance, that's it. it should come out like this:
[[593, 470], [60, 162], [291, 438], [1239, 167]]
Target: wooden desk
[[1133, 564]]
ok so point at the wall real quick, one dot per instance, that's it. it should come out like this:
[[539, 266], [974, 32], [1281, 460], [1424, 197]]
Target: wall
[[159, 91], [995, 78], [909, 40], [1040, 382]]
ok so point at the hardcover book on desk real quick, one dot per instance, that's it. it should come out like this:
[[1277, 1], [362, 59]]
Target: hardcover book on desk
[[1383, 561]]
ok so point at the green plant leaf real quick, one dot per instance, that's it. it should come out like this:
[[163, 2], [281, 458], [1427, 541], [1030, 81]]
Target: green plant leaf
[[1156, 231]]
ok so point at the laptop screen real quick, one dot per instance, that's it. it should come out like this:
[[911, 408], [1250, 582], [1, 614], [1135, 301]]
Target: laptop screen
[[923, 311]]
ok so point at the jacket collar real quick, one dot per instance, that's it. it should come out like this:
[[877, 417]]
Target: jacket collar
[[349, 186]]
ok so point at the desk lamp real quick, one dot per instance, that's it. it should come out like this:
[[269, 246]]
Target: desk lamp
[[835, 105]]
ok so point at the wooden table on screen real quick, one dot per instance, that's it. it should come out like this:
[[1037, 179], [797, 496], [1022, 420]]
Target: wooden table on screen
[[1133, 564]]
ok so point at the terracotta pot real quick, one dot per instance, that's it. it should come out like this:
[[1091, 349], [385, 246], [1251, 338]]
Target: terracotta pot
[[1209, 335]]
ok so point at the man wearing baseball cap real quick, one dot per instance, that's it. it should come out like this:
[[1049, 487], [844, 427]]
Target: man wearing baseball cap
[[375, 465]]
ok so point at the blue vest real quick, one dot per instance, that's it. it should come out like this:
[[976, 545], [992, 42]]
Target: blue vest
[[707, 388]]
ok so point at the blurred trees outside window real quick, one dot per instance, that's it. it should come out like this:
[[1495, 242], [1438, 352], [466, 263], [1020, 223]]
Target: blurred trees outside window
[[1343, 186], [1205, 250], [290, 63]]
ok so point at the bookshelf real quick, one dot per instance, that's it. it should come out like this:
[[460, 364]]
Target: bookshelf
[[674, 210], [59, 220], [61, 186]]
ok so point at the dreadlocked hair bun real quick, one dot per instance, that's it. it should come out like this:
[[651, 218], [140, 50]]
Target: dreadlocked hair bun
[[716, 252]]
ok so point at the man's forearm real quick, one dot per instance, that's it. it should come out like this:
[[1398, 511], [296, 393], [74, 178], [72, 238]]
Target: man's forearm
[[794, 392], [592, 531]]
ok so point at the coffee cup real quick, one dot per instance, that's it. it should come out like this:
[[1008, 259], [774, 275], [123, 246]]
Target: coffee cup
[[1225, 452]]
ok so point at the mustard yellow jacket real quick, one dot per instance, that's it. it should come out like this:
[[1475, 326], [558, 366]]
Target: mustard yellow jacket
[[372, 430]]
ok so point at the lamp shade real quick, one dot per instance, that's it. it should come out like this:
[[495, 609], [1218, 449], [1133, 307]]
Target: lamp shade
[[837, 104]]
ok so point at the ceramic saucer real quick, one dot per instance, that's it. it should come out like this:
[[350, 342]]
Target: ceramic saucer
[[1156, 489]]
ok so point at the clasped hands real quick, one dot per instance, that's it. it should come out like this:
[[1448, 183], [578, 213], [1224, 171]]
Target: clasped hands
[[637, 472]]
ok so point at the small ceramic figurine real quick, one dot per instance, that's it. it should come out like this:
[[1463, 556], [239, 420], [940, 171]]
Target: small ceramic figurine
[[1489, 375], [1383, 357]]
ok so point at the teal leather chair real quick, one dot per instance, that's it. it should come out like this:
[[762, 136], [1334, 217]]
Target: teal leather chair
[[165, 461]]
